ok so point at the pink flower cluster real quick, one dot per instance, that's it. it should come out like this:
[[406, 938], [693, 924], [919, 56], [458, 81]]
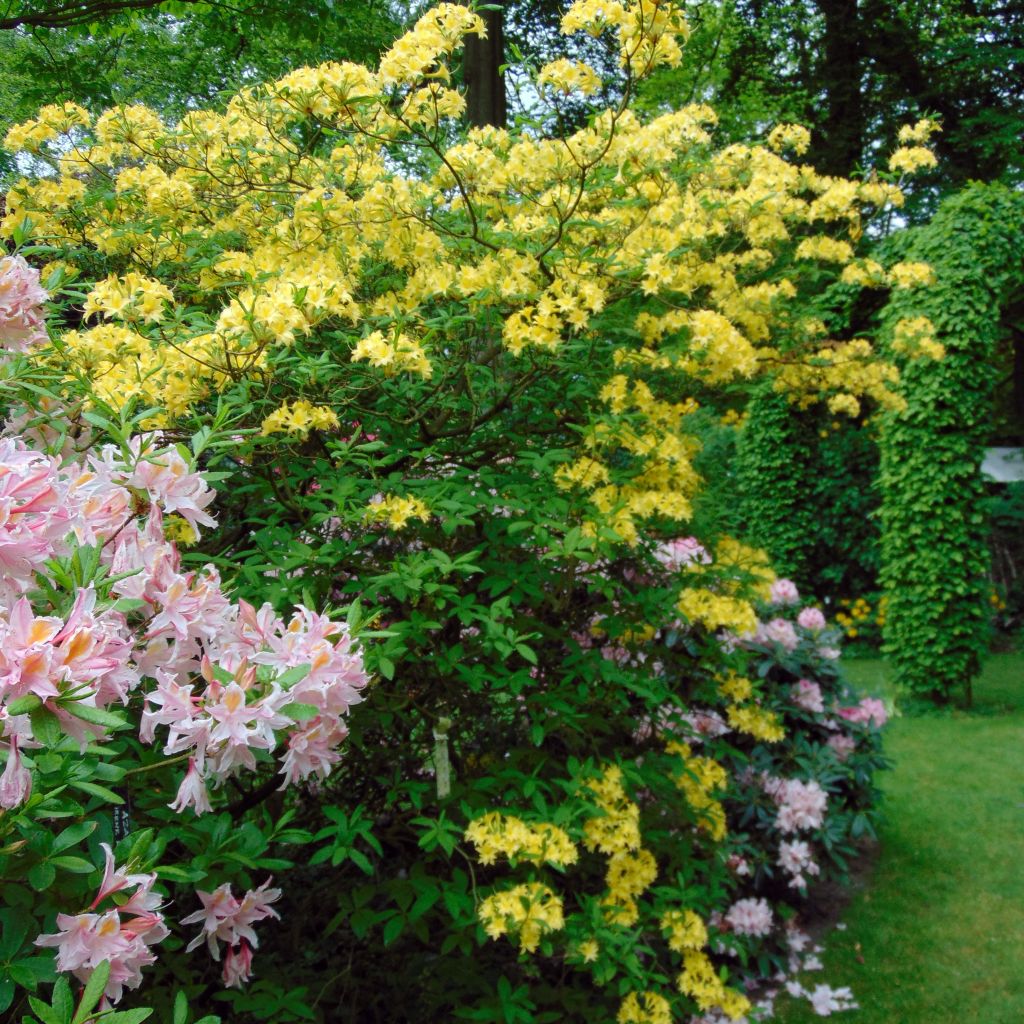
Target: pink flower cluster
[[777, 631], [801, 804], [21, 299], [784, 592], [842, 744], [182, 630], [122, 936], [806, 694], [811, 619], [869, 711], [230, 920], [797, 860], [750, 917], [222, 724], [679, 553]]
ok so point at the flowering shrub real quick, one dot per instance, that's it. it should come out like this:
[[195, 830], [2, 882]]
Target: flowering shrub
[[104, 632], [461, 382]]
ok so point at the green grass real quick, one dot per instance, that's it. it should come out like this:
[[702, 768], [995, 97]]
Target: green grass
[[936, 936]]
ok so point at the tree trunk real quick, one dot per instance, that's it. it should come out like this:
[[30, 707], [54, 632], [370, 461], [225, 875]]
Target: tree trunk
[[841, 148], [485, 86]]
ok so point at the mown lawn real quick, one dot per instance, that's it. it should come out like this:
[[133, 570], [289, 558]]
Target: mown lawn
[[937, 934]]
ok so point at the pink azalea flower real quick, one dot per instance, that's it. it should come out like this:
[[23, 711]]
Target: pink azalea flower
[[192, 792], [16, 781], [21, 299], [681, 552], [229, 920], [237, 965], [120, 937]]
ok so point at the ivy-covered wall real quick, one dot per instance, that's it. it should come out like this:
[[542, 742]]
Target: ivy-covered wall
[[935, 555]]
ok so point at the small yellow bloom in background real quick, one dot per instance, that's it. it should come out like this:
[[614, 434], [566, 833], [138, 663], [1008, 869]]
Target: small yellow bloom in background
[[919, 132], [584, 472], [396, 511], [789, 136], [402, 353], [179, 530], [916, 337], [299, 418], [567, 76], [908, 159], [911, 275], [588, 950], [845, 404]]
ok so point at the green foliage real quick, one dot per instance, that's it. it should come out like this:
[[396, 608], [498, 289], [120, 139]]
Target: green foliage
[[807, 486], [935, 545]]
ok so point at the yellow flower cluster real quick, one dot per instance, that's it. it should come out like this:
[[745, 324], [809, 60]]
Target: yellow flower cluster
[[789, 136], [701, 982], [688, 935], [299, 417], [736, 688], [699, 780], [911, 275], [629, 875], [844, 368], [644, 1008], [757, 722], [857, 615], [52, 120], [129, 298], [685, 930], [495, 834], [583, 472], [920, 132], [568, 76], [396, 511], [529, 911], [649, 31], [908, 159], [825, 248], [916, 337], [617, 828], [419, 53], [401, 353], [717, 611]]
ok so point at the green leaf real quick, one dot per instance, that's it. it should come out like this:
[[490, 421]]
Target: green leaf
[[394, 928], [125, 1016], [94, 716], [300, 712], [41, 875], [93, 992], [24, 705], [46, 727], [73, 835], [79, 865], [94, 790], [292, 676]]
